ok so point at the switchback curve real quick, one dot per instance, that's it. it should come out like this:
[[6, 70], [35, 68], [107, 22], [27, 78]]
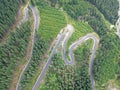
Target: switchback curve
[[63, 38]]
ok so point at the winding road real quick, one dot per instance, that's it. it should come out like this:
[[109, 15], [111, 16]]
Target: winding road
[[63, 38], [35, 28]]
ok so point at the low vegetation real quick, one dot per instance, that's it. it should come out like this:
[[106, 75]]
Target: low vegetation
[[51, 23], [81, 29]]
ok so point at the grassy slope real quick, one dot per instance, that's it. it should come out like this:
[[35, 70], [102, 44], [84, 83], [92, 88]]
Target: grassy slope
[[57, 19], [52, 21], [81, 28]]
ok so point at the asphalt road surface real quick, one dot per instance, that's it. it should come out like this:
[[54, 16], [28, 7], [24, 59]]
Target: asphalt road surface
[[48, 63], [63, 38], [36, 26]]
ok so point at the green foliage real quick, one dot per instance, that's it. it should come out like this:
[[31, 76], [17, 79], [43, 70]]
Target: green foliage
[[8, 12], [52, 21], [76, 8], [49, 30], [106, 64], [81, 29], [108, 7], [50, 26], [63, 77], [33, 2], [12, 52], [38, 52]]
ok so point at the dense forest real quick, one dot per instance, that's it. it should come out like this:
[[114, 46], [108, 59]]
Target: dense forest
[[11, 52], [38, 52], [64, 77], [108, 7], [98, 14], [8, 14]]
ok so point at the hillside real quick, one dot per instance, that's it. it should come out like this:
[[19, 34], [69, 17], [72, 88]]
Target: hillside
[[107, 58], [59, 45], [8, 14]]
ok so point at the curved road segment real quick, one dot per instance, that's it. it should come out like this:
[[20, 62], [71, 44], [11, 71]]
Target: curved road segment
[[36, 26], [63, 38]]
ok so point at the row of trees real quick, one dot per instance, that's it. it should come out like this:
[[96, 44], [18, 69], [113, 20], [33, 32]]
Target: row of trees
[[11, 52], [8, 13]]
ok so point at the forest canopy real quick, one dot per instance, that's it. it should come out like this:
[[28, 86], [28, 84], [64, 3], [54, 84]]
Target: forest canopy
[[8, 12]]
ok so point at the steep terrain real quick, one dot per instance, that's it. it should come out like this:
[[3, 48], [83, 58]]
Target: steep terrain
[[53, 45], [106, 65]]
